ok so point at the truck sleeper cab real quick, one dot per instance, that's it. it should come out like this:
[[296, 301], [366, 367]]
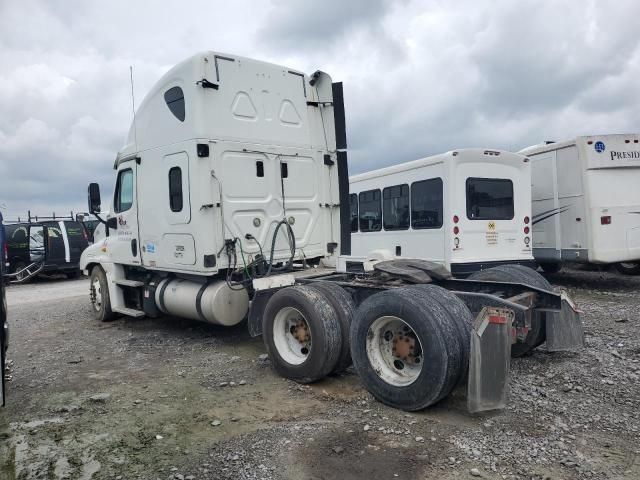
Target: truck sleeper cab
[[586, 202], [232, 202], [467, 210]]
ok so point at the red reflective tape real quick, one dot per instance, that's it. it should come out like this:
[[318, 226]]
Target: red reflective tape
[[497, 319]]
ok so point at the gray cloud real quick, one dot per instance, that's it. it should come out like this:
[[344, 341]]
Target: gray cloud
[[421, 77]]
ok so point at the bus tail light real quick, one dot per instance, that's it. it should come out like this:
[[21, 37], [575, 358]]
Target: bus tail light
[[605, 220], [456, 230], [526, 220], [456, 219], [526, 230]]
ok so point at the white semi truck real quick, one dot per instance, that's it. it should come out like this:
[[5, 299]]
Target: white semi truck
[[232, 203]]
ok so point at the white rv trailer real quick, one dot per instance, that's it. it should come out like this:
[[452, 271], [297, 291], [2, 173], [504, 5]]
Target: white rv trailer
[[231, 202], [586, 201], [467, 209]]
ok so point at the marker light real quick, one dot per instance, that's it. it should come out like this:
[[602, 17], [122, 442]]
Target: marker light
[[526, 230], [526, 220], [605, 220], [456, 230]]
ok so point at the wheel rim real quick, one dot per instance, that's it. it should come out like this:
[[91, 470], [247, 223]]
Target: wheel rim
[[394, 351], [96, 294], [19, 271], [628, 265], [292, 336]]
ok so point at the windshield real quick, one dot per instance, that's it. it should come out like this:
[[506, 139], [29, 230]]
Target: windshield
[[489, 199]]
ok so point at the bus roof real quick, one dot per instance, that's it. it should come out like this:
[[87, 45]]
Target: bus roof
[[463, 155]]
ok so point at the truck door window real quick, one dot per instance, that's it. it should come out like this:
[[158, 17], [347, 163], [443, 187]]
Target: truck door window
[[395, 207], [489, 199], [175, 189], [370, 211], [426, 204], [353, 203], [124, 191]]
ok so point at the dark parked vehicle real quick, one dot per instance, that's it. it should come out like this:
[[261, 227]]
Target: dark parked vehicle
[[4, 328], [45, 247]]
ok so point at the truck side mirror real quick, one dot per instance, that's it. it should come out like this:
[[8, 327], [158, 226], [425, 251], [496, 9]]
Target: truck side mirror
[[112, 223], [94, 198]]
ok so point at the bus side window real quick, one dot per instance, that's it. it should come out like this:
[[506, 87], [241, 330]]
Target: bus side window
[[395, 207], [353, 202], [426, 204], [370, 211]]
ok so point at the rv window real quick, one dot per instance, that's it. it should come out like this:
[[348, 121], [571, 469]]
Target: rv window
[[426, 204], [353, 202], [370, 211], [175, 101], [395, 204], [124, 191], [489, 199], [175, 189]]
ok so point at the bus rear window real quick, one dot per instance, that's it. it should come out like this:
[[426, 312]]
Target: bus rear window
[[489, 199]]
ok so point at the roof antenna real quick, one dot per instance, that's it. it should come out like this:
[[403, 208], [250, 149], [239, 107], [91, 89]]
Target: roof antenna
[[133, 108]]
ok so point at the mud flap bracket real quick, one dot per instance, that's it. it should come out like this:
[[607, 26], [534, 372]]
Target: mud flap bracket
[[489, 360]]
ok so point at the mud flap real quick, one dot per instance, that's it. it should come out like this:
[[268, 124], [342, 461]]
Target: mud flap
[[564, 328], [490, 359]]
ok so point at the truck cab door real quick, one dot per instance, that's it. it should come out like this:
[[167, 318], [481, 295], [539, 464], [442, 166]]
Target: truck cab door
[[123, 242]]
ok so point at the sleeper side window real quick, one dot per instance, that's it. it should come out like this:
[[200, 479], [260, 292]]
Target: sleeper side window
[[175, 101], [489, 199], [123, 198], [370, 211], [426, 204], [353, 204], [175, 189], [395, 211]]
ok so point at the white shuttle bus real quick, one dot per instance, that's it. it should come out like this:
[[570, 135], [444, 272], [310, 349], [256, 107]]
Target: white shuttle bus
[[468, 210], [586, 202]]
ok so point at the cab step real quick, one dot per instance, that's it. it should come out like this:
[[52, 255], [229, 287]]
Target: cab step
[[129, 312], [129, 283]]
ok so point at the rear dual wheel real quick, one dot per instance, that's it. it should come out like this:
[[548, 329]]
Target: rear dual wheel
[[306, 331], [526, 276], [410, 345]]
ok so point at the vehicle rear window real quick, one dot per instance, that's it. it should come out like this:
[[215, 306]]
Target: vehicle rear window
[[489, 199]]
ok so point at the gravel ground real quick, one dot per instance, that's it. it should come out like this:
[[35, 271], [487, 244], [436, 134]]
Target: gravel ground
[[173, 399]]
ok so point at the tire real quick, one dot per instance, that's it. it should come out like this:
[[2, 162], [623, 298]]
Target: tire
[[628, 268], [391, 378], [20, 266], [285, 317], [345, 308], [551, 267], [99, 295], [459, 313], [72, 274], [527, 276]]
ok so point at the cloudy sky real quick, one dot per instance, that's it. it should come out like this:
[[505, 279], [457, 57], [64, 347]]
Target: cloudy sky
[[421, 77]]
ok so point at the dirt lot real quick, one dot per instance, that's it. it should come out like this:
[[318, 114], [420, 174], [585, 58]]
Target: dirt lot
[[172, 399]]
